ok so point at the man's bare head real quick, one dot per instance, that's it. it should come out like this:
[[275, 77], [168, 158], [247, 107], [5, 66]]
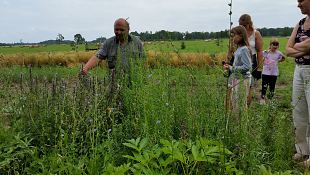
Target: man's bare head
[[121, 29], [122, 21]]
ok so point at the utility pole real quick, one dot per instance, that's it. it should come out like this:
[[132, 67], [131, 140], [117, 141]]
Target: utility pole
[[230, 25]]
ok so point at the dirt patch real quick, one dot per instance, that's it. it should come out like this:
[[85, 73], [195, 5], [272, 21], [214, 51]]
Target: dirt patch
[[5, 120]]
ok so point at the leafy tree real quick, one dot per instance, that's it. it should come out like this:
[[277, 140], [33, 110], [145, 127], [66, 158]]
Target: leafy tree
[[78, 39], [60, 38]]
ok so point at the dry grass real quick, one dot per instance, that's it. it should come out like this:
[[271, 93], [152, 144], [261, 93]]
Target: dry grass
[[70, 59], [183, 59], [46, 58]]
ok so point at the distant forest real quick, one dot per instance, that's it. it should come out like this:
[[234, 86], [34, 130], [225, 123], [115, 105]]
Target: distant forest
[[167, 35]]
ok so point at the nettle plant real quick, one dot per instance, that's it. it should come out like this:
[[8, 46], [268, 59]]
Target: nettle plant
[[178, 157]]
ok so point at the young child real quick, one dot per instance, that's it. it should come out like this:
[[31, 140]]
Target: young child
[[240, 78], [270, 70]]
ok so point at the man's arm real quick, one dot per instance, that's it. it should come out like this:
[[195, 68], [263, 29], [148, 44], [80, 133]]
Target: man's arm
[[93, 61], [290, 50], [303, 46], [90, 64]]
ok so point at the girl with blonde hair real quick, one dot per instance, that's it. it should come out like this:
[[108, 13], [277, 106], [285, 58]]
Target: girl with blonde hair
[[240, 78]]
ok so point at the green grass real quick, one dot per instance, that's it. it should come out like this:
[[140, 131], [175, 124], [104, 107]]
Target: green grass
[[64, 125], [163, 103], [199, 46], [40, 48]]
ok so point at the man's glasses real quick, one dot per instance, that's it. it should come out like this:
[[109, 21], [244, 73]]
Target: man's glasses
[[275, 43]]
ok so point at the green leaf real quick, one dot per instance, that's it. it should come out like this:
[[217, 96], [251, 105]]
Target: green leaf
[[198, 156], [165, 142], [111, 170], [131, 145], [130, 157], [143, 143], [166, 162]]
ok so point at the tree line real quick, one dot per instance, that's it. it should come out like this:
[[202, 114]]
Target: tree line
[[164, 35], [167, 35], [60, 39]]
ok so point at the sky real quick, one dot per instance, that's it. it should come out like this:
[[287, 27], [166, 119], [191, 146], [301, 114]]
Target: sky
[[38, 20]]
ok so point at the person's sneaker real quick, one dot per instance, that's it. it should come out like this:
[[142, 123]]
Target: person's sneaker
[[262, 101], [300, 157]]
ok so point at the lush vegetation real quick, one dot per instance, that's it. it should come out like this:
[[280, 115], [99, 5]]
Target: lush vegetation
[[161, 119]]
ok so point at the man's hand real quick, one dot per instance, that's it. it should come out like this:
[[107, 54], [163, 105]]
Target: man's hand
[[84, 72], [83, 78]]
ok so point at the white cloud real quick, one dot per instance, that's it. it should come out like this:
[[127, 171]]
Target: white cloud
[[38, 20]]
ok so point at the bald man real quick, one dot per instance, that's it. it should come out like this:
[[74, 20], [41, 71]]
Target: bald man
[[117, 49]]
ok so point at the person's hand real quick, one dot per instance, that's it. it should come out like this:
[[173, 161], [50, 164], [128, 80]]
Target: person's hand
[[84, 79], [260, 66], [226, 66], [82, 73]]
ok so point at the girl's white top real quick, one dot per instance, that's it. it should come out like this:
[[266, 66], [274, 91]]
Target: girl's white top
[[252, 42]]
